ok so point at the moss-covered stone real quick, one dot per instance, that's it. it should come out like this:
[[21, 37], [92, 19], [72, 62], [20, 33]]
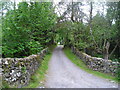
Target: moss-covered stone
[[17, 71], [98, 64]]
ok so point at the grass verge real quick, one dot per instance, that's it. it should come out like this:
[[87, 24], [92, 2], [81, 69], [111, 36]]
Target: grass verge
[[82, 65], [38, 78]]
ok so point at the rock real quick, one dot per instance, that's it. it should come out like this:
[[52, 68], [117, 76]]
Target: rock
[[6, 62], [16, 71], [98, 64], [18, 74], [41, 87]]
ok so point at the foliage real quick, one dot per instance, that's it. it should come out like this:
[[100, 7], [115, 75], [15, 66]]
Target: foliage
[[99, 35], [118, 74], [102, 31], [73, 34], [28, 29]]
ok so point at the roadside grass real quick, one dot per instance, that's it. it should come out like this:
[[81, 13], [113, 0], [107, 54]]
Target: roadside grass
[[38, 78], [82, 65]]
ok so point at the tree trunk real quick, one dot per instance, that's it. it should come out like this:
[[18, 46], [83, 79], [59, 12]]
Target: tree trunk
[[106, 51], [90, 23], [113, 50], [72, 13], [91, 8]]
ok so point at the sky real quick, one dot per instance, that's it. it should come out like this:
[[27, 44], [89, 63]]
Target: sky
[[85, 7]]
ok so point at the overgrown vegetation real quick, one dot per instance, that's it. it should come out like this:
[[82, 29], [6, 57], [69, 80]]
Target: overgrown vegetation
[[82, 65]]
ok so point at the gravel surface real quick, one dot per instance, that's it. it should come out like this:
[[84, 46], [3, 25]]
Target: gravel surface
[[62, 73]]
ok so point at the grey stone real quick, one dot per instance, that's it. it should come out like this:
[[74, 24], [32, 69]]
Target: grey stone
[[98, 64], [18, 71]]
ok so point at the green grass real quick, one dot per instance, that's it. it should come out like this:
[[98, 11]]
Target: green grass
[[82, 65], [39, 76]]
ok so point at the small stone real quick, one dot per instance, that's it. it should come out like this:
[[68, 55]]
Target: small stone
[[41, 82], [6, 62], [19, 74], [0, 61], [41, 87], [14, 75], [12, 79], [112, 81], [6, 79]]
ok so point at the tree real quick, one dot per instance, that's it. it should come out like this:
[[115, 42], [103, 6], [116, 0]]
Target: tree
[[28, 29]]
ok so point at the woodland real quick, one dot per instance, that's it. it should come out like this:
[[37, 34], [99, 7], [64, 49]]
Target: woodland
[[28, 27]]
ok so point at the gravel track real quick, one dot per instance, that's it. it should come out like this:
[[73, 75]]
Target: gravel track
[[62, 73]]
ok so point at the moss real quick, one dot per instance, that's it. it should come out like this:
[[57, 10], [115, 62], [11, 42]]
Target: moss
[[5, 84], [23, 69]]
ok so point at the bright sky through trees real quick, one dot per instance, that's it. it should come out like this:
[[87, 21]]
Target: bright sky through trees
[[85, 7]]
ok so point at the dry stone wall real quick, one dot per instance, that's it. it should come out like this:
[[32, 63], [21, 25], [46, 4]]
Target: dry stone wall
[[17, 71], [97, 64]]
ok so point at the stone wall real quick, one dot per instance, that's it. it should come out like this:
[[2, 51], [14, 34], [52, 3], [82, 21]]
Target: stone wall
[[17, 71], [97, 64]]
